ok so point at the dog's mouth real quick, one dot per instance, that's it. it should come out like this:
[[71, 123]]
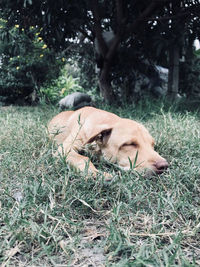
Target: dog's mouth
[[154, 172], [147, 171], [158, 172]]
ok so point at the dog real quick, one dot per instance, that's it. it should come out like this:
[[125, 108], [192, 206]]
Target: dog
[[120, 141]]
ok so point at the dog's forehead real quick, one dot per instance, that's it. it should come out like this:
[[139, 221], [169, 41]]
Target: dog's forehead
[[129, 129], [131, 126]]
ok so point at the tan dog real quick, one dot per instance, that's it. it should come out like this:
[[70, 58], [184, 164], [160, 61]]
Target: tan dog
[[118, 140]]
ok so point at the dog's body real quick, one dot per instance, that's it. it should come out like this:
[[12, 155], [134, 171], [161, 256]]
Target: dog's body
[[118, 140]]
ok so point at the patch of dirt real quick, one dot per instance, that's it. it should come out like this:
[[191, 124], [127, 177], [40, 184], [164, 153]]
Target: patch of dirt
[[90, 252]]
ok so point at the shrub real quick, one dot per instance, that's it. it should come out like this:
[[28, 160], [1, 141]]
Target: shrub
[[26, 63], [190, 75]]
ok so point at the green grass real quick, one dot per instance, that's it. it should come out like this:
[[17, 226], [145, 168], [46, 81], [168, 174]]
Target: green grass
[[52, 216]]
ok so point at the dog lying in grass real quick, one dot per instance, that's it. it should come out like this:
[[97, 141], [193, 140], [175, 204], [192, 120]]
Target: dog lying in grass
[[120, 141]]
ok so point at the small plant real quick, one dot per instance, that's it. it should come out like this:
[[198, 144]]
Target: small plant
[[65, 84], [70, 85]]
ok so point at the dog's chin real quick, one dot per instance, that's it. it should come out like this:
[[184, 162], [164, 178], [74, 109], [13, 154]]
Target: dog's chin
[[152, 173], [141, 171], [146, 172], [124, 168]]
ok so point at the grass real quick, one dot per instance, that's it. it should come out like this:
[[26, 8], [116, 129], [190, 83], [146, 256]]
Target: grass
[[52, 216]]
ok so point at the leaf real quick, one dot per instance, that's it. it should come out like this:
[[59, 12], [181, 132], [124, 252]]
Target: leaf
[[12, 252], [133, 165], [197, 53], [87, 205]]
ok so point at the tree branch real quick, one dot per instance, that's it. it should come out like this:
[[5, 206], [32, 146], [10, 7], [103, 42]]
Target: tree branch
[[184, 12], [86, 35], [120, 15], [120, 29], [97, 27], [142, 16]]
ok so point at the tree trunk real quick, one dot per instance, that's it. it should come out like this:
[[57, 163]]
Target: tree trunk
[[174, 55], [173, 79], [105, 84]]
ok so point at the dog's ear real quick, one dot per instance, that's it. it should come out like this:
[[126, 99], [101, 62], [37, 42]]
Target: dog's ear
[[101, 136]]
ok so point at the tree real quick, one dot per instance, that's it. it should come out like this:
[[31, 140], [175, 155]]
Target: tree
[[131, 22]]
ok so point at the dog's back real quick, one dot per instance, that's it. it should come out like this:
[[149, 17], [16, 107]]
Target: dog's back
[[57, 127]]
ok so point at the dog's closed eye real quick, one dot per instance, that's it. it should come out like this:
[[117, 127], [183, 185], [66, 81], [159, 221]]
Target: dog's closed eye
[[130, 144]]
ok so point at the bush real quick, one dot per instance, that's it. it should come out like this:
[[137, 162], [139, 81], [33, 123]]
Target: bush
[[190, 75], [26, 64]]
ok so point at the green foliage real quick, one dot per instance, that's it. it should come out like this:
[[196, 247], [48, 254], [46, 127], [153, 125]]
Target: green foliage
[[26, 63], [190, 75], [69, 85], [145, 29], [65, 84], [197, 53]]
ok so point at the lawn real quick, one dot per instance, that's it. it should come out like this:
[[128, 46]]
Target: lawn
[[52, 216]]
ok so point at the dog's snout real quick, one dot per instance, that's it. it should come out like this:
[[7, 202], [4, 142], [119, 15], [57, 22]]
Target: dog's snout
[[161, 166]]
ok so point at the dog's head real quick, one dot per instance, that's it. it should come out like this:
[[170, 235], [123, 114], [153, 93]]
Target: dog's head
[[128, 143]]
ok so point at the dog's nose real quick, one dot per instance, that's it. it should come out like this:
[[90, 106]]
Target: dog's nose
[[161, 166]]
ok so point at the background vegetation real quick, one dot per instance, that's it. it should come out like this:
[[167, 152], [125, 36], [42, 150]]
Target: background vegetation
[[144, 33], [52, 216], [26, 63]]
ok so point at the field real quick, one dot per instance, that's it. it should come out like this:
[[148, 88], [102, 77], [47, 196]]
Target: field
[[53, 216]]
